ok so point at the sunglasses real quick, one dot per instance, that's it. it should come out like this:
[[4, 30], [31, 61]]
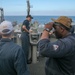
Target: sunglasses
[[59, 24]]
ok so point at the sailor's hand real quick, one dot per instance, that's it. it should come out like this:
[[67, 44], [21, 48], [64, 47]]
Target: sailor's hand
[[49, 25]]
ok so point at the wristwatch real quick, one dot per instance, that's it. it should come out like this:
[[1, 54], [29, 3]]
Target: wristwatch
[[48, 30]]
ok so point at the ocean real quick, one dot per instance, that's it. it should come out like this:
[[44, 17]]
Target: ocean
[[39, 19]]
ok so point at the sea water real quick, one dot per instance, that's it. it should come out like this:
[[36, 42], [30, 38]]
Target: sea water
[[40, 19]]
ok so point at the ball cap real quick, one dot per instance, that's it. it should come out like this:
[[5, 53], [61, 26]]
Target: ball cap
[[66, 21], [6, 27], [29, 16]]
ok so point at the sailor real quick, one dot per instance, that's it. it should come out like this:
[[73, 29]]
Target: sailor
[[12, 58], [25, 36], [61, 53]]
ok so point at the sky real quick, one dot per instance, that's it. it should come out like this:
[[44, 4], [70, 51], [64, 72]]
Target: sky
[[39, 7]]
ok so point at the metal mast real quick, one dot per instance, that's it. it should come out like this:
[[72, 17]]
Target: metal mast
[[1, 15], [28, 7]]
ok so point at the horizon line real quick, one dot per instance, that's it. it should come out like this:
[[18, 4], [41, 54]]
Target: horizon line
[[40, 15]]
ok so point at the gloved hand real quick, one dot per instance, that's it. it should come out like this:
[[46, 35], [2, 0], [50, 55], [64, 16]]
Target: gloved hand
[[49, 25]]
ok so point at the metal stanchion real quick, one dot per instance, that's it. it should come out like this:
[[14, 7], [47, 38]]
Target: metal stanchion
[[18, 39], [34, 37]]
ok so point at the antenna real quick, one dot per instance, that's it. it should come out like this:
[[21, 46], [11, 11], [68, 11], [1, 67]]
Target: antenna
[[28, 7], [1, 15]]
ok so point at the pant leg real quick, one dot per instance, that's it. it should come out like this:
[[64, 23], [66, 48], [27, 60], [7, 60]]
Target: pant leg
[[25, 44]]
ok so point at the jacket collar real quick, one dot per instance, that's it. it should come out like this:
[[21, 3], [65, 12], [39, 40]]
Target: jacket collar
[[5, 40]]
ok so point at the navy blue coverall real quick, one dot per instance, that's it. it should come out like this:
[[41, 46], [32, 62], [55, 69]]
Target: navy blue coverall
[[12, 59], [61, 55], [25, 39]]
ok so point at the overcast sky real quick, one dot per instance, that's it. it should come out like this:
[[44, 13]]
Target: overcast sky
[[39, 7]]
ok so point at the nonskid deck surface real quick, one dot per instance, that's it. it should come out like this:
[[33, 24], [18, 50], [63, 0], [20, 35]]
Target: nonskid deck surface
[[38, 68]]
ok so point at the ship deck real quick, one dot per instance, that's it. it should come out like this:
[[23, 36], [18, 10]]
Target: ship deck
[[38, 68]]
